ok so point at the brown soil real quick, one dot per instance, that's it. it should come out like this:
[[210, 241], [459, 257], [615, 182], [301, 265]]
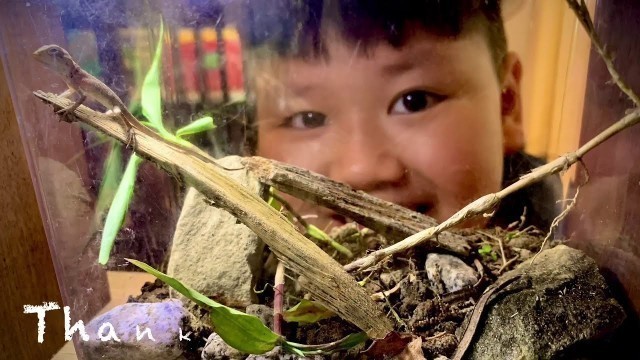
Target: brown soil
[[416, 308]]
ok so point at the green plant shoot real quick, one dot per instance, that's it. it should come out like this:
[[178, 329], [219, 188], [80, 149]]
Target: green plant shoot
[[118, 208], [198, 126], [487, 250], [307, 312], [151, 105], [243, 332], [320, 235]]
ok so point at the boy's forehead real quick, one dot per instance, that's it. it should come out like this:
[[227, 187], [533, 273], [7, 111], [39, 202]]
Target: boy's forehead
[[423, 51]]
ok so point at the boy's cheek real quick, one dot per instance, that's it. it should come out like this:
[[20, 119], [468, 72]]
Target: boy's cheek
[[303, 151]]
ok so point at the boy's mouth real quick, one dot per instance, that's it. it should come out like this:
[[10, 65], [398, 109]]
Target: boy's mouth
[[423, 209]]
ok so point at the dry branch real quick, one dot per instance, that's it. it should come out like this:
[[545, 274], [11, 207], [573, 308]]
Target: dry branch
[[582, 13], [392, 221], [324, 277]]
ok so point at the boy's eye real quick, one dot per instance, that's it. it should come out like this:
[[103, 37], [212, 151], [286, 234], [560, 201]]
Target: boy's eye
[[306, 120], [411, 102]]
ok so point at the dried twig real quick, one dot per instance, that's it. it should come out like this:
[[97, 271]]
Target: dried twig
[[499, 240], [506, 265], [379, 296], [392, 221], [582, 13], [554, 224]]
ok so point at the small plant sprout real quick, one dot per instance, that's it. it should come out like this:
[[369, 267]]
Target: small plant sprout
[[245, 332], [151, 106]]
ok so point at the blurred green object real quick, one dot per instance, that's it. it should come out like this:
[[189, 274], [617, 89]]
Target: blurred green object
[[118, 208], [198, 126], [307, 312]]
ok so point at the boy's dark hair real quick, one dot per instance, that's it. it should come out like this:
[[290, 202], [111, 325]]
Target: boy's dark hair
[[297, 28]]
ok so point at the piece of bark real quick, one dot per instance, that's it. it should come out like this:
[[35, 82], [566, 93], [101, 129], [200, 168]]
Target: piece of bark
[[392, 221], [324, 277]]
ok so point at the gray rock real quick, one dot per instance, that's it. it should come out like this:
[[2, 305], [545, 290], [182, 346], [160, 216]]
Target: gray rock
[[263, 312], [212, 252], [216, 348], [447, 273], [164, 320], [562, 300]]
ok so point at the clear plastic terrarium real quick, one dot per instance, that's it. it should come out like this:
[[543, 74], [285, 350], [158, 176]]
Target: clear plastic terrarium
[[241, 110]]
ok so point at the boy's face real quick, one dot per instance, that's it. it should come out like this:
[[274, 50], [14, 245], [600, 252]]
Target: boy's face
[[423, 126]]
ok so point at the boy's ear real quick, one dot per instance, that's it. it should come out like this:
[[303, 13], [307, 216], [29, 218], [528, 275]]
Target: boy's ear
[[511, 102]]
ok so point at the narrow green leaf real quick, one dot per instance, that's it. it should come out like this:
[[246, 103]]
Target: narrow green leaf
[[151, 96], [295, 351], [307, 312], [118, 209], [320, 235], [274, 203], [243, 332], [345, 343], [351, 340], [198, 126], [111, 174], [272, 200]]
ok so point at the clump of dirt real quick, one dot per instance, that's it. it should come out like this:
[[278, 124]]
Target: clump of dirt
[[151, 292]]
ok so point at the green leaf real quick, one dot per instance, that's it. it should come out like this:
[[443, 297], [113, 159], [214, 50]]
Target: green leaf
[[274, 203], [345, 343], [111, 174], [118, 209], [243, 332], [307, 312], [320, 235], [151, 97], [485, 250], [494, 256], [198, 126], [272, 200], [295, 350]]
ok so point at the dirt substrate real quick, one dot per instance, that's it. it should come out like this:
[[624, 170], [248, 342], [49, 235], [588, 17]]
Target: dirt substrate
[[409, 293]]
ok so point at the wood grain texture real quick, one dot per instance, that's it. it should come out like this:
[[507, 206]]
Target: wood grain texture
[[388, 219]]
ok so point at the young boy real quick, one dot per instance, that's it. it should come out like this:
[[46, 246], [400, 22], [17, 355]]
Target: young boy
[[415, 102]]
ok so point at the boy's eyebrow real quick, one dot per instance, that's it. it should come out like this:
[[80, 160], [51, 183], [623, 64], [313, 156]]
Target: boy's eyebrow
[[398, 68], [300, 89]]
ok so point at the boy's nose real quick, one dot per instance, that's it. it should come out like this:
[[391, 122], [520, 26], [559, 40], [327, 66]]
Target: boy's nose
[[367, 161]]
